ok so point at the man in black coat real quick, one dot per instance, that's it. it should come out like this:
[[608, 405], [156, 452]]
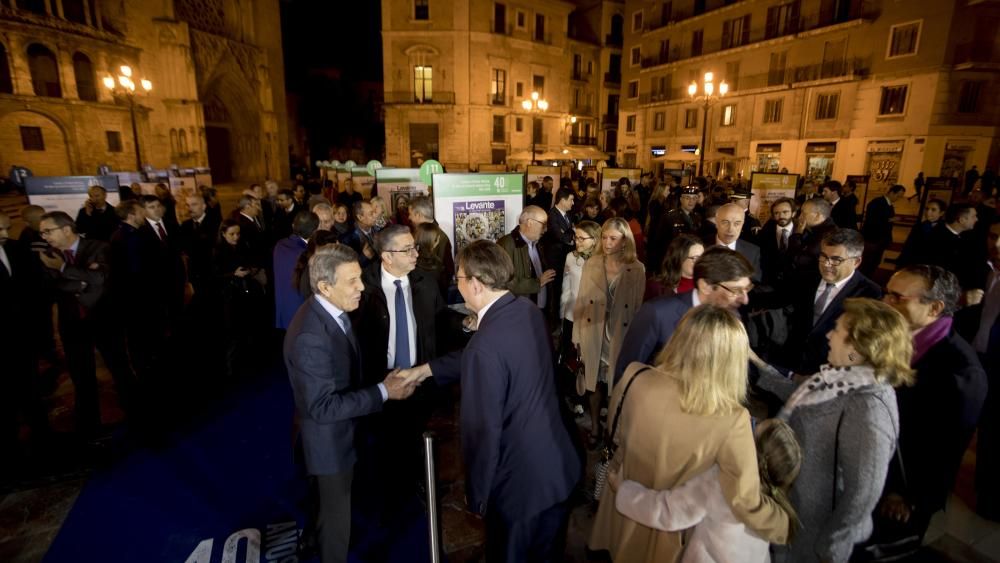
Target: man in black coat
[[817, 306], [950, 247], [284, 212], [163, 269], [97, 220], [362, 237], [559, 238], [197, 239], [919, 239], [775, 239], [252, 231], [812, 224], [843, 213], [877, 229], [729, 225], [939, 412]]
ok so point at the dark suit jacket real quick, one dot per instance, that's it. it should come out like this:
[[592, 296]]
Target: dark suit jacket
[[954, 253], [14, 284], [356, 240], [804, 253], [163, 268], [287, 298], [774, 263], [651, 328], [751, 252], [518, 456], [84, 283], [878, 221], [100, 226], [807, 341], [372, 320], [325, 373], [558, 239], [844, 214], [937, 417], [255, 239], [197, 244], [916, 245], [281, 222]]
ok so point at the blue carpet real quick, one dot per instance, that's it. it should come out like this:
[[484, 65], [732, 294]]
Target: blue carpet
[[229, 484]]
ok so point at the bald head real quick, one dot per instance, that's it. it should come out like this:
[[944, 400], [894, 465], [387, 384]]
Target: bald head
[[729, 223], [532, 222], [32, 215]]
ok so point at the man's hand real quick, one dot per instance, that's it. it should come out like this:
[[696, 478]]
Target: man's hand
[[397, 386], [894, 507], [614, 478], [415, 375], [547, 276], [974, 297], [52, 261]]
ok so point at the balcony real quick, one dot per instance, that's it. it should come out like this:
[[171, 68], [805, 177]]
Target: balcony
[[609, 121], [545, 38], [976, 52], [578, 140], [660, 96], [581, 109], [500, 28], [498, 100], [397, 98], [843, 68], [579, 75], [613, 78]]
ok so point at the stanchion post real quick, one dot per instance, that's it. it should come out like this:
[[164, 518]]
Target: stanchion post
[[432, 505]]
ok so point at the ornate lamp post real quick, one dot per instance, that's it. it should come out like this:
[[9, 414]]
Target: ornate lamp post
[[707, 97], [534, 106], [123, 85]]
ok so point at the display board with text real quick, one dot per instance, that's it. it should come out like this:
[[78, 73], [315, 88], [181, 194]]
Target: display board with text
[[397, 186], [766, 187], [538, 173], [471, 207], [611, 176], [67, 193]]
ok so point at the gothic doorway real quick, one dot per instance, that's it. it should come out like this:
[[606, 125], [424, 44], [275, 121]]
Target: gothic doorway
[[219, 153]]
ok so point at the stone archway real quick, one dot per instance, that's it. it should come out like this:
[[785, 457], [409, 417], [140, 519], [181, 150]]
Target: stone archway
[[232, 128], [46, 152]]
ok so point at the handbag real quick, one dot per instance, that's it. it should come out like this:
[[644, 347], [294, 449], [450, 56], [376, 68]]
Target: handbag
[[601, 469]]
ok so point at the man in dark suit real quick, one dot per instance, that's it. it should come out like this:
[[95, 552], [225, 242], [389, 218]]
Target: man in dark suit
[[520, 464], [252, 232], [324, 367], [163, 271], [559, 237], [285, 210], [532, 275], [938, 414], [287, 298], [949, 246], [812, 224], [198, 236], [79, 271], [817, 307], [843, 213], [877, 229], [775, 241], [721, 278], [97, 220], [729, 224], [362, 237], [918, 241]]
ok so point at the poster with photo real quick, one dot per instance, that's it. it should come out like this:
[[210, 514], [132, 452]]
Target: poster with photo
[[364, 181], [397, 186], [766, 187], [611, 176], [67, 193], [471, 207], [538, 173], [181, 188]]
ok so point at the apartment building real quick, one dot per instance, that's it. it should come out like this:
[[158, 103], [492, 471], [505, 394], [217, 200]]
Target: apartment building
[[820, 87], [456, 74]]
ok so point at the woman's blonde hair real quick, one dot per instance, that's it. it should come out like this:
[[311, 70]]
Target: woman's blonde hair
[[779, 459], [880, 334], [628, 253], [708, 353]]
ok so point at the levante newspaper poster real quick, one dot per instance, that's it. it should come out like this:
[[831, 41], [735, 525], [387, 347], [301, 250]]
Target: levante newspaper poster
[[477, 220]]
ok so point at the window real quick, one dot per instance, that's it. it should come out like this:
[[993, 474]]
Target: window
[[499, 132], [633, 89], [772, 110], [736, 32], [637, 21], [733, 75], [665, 12], [44, 71], [521, 20], [423, 91], [664, 51], [421, 10], [782, 20], [83, 70], [540, 28], [635, 56], [519, 124], [519, 89], [499, 18], [6, 83], [690, 118], [538, 84], [776, 69], [968, 99], [893, 100], [498, 86], [659, 121], [31, 139], [499, 156], [903, 39], [114, 141], [826, 105], [697, 38], [630, 123], [577, 66], [728, 115], [74, 11]]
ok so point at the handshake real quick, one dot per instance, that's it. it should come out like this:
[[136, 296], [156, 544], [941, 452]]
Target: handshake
[[401, 383]]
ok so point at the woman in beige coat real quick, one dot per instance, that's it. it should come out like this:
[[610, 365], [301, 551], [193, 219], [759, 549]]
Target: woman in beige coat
[[678, 420], [611, 290]]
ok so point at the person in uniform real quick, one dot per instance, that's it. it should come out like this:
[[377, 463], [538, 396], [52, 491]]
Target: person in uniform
[[681, 219]]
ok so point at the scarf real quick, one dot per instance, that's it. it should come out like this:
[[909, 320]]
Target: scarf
[[831, 382], [929, 336]]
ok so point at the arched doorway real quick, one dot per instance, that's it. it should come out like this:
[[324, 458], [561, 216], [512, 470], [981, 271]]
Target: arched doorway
[[233, 129], [218, 140], [36, 142]]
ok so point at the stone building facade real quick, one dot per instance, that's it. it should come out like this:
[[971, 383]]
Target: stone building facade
[[457, 71], [217, 95], [820, 87]]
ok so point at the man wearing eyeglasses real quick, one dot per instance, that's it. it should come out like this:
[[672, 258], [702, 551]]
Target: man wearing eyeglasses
[[817, 307], [532, 275]]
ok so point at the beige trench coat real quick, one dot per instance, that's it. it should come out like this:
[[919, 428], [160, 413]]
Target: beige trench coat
[[661, 447], [591, 309]]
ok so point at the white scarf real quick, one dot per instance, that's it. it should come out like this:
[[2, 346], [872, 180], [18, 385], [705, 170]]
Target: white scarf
[[831, 382]]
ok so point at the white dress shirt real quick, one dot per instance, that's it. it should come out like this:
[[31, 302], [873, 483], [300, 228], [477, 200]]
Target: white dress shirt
[[335, 312], [389, 289], [153, 224], [482, 312], [833, 292], [5, 260], [790, 228], [731, 246]]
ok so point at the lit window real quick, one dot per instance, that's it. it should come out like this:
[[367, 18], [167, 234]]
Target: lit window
[[893, 100], [690, 118], [423, 91], [728, 115]]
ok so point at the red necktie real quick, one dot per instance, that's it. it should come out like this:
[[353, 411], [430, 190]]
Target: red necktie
[[70, 256], [161, 231]]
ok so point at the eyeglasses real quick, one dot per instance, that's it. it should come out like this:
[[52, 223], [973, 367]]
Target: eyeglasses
[[407, 250], [458, 277], [542, 223], [47, 232], [835, 260], [739, 291], [583, 238], [897, 297]]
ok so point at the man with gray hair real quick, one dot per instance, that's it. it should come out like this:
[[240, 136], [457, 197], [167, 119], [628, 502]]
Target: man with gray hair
[[531, 274], [422, 213], [324, 366], [324, 211]]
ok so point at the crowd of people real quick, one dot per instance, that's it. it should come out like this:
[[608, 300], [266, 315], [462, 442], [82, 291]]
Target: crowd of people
[[660, 313]]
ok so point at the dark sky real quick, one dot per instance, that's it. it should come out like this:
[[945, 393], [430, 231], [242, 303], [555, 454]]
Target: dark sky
[[322, 34]]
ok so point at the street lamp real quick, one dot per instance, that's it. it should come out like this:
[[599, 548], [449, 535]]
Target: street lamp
[[707, 96], [123, 85], [535, 106]]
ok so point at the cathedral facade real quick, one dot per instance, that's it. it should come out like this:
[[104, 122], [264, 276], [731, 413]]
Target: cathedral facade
[[214, 68]]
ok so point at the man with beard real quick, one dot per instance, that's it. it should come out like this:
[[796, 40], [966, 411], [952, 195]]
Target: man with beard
[[775, 240]]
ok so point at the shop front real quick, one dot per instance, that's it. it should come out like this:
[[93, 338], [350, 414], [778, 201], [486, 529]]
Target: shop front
[[768, 157], [819, 161], [884, 158], [954, 162]]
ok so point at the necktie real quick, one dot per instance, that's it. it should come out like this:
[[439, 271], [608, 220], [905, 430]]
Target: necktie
[[70, 256], [784, 239], [820, 304], [402, 329], [346, 321], [161, 231], [536, 264]]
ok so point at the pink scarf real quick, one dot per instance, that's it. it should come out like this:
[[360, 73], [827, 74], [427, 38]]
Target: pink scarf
[[929, 336]]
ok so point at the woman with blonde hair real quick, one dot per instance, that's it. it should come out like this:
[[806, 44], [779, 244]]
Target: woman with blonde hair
[[847, 422], [381, 213], [677, 420], [611, 287]]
